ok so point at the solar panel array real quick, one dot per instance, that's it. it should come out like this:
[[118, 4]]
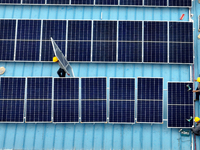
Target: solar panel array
[[12, 95], [93, 100], [39, 100], [157, 3], [97, 41], [66, 100], [122, 100], [150, 100], [180, 104]]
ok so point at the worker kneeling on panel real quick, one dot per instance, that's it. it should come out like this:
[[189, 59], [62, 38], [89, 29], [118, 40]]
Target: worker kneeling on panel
[[196, 130], [61, 72], [197, 91]]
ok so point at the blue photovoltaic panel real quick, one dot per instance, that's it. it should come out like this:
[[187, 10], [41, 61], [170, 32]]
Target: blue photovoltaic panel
[[7, 42], [177, 32], [39, 100], [79, 30], [180, 42], [149, 111], [55, 29], [155, 41], [93, 99], [155, 52], [47, 52], [78, 51], [57, 1], [150, 99], [12, 95], [130, 31], [7, 50], [181, 52], [104, 51], [180, 3], [177, 115], [155, 2], [178, 93], [155, 31], [180, 104], [130, 52], [130, 41], [132, 2], [78, 2], [29, 29], [122, 100], [150, 88], [33, 1], [66, 99], [79, 40], [10, 1], [27, 50], [7, 29], [105, 30], [106, 2]]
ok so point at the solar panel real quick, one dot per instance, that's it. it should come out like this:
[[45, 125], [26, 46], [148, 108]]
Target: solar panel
[[150, 100], [12, 95], [106, 2], [93, 100], [39, 99], [122, 100], [57, 30], [7, 39], [180, 42], [33, 1], [180, 3], [155, 2], [130, 41], [133, 2], [155, 41], [180, 104], [79, 40], [66, 100], [28, 40], [79, 2], [104, 41], [10, 1]]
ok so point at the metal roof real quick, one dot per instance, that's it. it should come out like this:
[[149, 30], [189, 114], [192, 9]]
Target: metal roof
[[100, 136]]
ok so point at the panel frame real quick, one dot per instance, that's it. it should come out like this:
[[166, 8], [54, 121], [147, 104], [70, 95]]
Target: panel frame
[[179, 104], [131, 100], [98, 5], [157, 100], [38, 100], [80, 97], [25, 90], [69, 100]]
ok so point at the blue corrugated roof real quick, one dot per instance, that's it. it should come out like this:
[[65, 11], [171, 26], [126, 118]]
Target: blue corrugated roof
[[100, 136]]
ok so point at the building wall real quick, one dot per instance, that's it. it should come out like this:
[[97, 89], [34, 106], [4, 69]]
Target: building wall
[[100, 136]]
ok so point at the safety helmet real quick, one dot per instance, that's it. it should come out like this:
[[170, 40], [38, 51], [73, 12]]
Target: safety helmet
[[55, 59], [198, 79], [196, 119]]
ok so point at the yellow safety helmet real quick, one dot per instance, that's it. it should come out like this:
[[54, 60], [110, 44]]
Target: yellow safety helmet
[[55, 59], [196, 119], [198, 79]]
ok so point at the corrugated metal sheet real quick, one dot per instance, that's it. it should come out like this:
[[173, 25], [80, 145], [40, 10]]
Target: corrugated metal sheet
[[99, 136]]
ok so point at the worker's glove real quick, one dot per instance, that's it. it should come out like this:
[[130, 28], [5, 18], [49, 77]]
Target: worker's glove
[[192, 126]]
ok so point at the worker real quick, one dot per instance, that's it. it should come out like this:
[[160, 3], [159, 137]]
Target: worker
[[196, 130], [61, 72], [197, 91]]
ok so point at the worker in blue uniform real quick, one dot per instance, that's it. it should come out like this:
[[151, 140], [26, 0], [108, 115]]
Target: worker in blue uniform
[[196, 130], [61, 72], [197, 91]]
